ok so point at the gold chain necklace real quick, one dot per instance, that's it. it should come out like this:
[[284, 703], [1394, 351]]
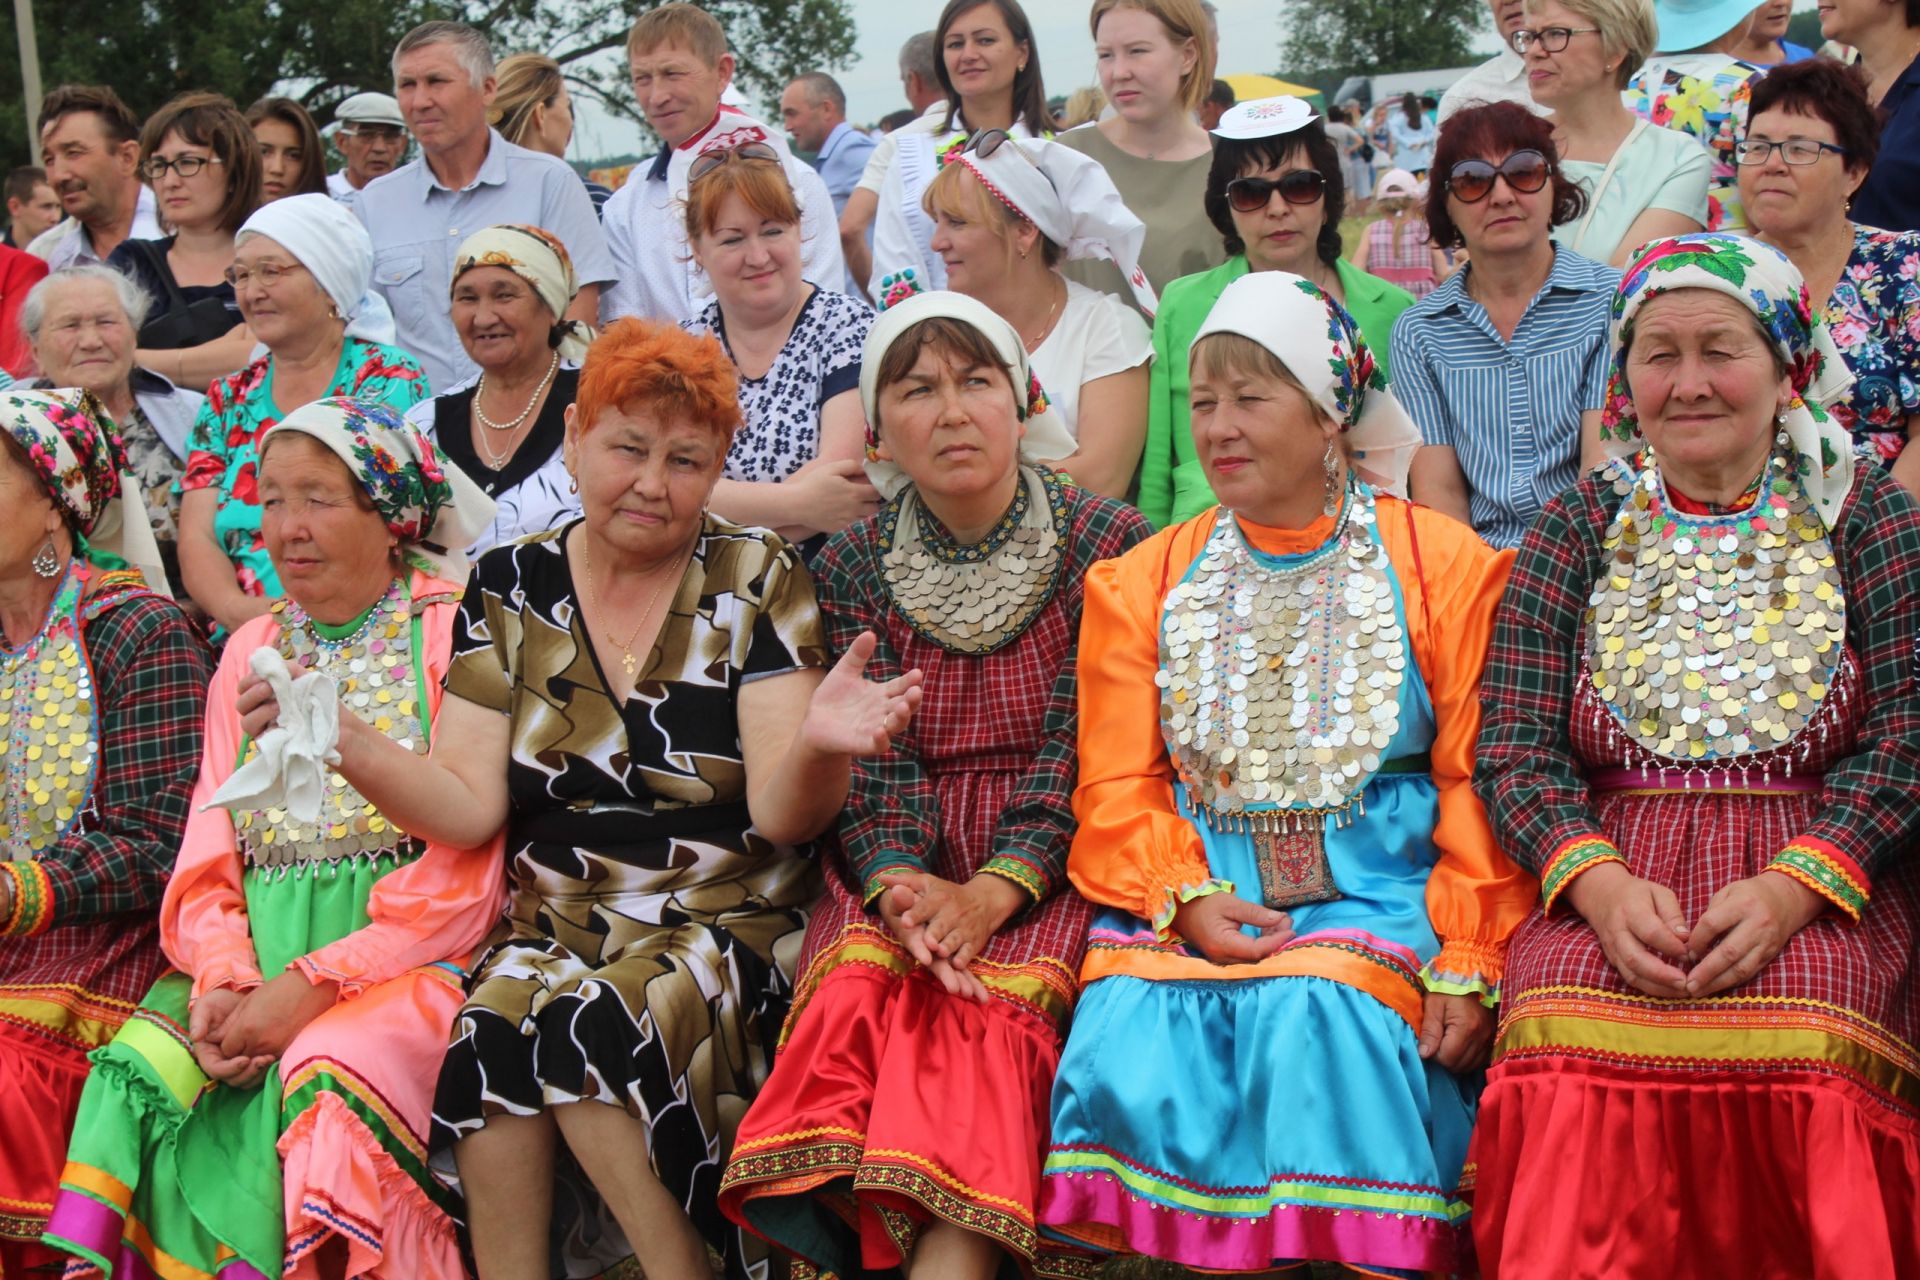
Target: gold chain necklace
[[627, 662]]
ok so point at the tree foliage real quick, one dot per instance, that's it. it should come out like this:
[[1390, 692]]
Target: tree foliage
[[320, 53], [1331, 39]]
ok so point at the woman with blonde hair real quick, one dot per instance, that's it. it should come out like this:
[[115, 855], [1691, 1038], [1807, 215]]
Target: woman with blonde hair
[[1641, 181], [1083, 106], [1155, 59], [532, 108]]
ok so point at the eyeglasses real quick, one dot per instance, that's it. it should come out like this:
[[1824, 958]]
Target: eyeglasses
[[707, 161], [1552, 39], [988, 141], [1757, 151], [1296, 186], [1471, 181], [186, 166], [267, 274]]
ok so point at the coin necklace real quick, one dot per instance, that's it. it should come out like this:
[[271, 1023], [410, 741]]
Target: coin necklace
[[974, 598], [627, 662], [1719, 635], [497, 461], [1280, 685], [48, 744]]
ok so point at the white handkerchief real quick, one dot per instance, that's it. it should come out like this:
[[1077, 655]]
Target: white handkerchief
[[289, 765]]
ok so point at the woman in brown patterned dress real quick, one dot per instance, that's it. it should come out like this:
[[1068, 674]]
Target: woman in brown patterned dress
[[641, 699]]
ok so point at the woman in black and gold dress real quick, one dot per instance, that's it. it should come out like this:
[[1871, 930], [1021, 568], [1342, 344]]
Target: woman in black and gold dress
[[642, 700]]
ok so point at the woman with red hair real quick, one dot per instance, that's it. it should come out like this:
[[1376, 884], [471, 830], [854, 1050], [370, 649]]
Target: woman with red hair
[[641, 700]]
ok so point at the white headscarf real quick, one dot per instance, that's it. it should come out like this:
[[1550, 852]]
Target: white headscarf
[[1046, 439], [536, 256], [1073, 202], [326, 238], [1320, 345]]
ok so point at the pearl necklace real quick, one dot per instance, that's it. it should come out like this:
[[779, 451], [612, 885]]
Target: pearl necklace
[[499, 460]]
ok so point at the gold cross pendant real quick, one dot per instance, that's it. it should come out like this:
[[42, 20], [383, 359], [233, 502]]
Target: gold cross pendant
[[632, 667]]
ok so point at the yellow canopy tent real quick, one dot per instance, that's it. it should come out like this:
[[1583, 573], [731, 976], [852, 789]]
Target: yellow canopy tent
[[1247, 87]]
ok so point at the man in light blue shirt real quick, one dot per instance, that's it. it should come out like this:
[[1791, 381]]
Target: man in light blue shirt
[[467, 178], [814, 111]]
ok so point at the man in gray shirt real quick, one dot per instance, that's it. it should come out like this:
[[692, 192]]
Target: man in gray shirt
[[466, 179]]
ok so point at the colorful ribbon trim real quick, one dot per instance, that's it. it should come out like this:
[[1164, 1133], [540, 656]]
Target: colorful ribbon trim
[[1827, 872], [1575, 857]]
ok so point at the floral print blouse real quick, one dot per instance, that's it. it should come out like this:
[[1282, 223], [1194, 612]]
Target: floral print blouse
[[1874, 317], [223, 450]]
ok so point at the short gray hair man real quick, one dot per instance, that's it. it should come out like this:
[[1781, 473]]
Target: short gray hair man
[[821, 87], [470, 48]]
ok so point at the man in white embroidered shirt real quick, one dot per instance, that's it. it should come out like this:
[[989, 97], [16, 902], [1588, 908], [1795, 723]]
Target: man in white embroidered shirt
[[678, 58], [467, 178]]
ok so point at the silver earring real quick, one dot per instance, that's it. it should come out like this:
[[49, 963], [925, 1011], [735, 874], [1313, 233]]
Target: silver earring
[[47, 562], [573, 484], [1332, 504]]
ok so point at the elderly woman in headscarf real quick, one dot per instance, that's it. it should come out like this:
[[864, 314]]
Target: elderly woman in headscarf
[[1305, 913], [102, 685], [1005, 215], [301, 269], [503, 427], [937, 979], [265, 1112], [1703, 732]]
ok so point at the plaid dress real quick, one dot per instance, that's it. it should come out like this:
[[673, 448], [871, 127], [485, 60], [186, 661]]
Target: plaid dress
[[893, 1105], [77, 958], [1773, 1129]]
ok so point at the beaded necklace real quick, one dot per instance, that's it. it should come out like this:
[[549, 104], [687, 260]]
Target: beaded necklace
[[51, 740], [974, 597], [373, 666], [1280, 685], [1715, 636]]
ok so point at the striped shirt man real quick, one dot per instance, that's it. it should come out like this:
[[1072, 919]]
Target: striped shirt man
[[1508, 408]]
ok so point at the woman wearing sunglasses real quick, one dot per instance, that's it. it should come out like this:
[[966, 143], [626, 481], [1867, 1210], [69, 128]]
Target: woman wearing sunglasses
[[1641, 181], [1811, 138], [1007, 216], [200, 157], [794, 464], [1504, 366], [1276, 194]]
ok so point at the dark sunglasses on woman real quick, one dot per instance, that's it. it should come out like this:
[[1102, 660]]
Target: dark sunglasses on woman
[[1471, 181], [987, 141], [707, 161], [1296, 186]]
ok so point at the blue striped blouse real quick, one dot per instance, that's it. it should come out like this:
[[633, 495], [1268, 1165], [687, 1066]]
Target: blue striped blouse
[[1510, 411]]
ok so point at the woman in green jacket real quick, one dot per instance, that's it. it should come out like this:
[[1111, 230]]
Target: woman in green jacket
[[1276, 194]]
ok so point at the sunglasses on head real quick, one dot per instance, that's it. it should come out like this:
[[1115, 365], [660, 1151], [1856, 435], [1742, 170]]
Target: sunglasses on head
[[1471, 181], [707, 161], [1296, 186]]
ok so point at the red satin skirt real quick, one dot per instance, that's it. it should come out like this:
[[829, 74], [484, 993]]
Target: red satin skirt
[[40, 1084]]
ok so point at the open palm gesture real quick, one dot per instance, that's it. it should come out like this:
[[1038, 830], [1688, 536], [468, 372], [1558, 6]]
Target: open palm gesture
[[850, 715]]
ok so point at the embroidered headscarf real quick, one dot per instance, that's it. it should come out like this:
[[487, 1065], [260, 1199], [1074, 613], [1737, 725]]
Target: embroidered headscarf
[[1047, 438], [536, 256], [1762, 280], [1320, 345], [326, 238], [75, 451], [1072, 201], [428, 503]]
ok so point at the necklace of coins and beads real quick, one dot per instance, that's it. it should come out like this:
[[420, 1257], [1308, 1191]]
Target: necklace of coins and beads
[[1280, 685], [1715, 636], [975, 597], [375, 669], [51, 748]]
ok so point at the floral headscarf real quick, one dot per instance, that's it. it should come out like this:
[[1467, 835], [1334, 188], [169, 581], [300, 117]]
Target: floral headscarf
[[1761, 279], [536, 256], [429, 504], [1046, 439], [1321, 346], [75, 451]]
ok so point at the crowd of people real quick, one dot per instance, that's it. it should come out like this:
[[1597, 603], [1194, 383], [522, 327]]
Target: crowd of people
[[1213, 743]]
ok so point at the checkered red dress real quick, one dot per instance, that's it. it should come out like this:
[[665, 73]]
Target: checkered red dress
[[893, 1104], [72, 972], [1772, 1130]]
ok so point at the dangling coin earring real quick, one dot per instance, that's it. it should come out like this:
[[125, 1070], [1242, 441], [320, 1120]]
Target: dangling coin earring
[[1332, 504], [47, 562], [1780, 437]]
